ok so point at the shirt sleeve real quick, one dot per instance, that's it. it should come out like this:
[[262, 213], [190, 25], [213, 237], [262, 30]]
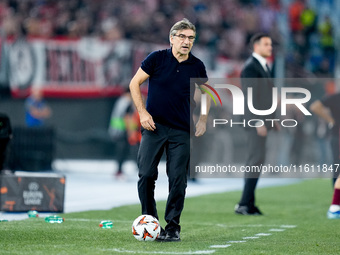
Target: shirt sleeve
[[203, 77], [149, 63]]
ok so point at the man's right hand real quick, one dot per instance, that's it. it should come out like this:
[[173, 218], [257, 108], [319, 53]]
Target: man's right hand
[[146, 121]]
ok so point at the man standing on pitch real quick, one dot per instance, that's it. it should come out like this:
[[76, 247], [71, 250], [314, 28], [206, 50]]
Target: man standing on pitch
[[166, 121], [328, 108], [256, 75]]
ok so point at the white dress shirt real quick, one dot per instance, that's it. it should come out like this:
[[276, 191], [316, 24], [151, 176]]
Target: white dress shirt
[[262, 61]]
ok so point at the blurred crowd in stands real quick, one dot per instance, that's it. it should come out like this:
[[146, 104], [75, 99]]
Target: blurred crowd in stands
[[224, 26], [312, 37]]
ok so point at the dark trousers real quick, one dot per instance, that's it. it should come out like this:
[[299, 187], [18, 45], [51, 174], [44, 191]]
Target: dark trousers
[[256, 146], [122, 151], [176, 144], [3, 146]]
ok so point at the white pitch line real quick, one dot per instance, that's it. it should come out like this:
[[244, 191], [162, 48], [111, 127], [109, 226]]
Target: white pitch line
[[85, 220], [283, 228], [220, 246], [99, 220], [237, 241], [276, 229], [288, 226], [263, 234], [253, 237], [247, 226], [161, 252]]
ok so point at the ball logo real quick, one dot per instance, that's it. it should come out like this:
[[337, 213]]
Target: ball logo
[[33, 186], [142, 221]]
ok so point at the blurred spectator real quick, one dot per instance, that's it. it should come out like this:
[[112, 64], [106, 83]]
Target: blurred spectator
[[124, 130], [267, 17], [61, 23], [309, 24], [323, 69], [295, 10], [9, 22], [110, 29], [36, 109], [326, 32]]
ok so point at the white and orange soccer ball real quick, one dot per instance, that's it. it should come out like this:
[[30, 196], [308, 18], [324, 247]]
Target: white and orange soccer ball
[[146, 228]]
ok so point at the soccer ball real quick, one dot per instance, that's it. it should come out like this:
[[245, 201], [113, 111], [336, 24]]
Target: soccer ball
[[146, 228]]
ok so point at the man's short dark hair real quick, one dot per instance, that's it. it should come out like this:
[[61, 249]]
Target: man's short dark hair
[[257, 37]]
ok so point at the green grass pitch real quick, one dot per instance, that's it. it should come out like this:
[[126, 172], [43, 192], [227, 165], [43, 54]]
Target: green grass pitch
[[294, 223]]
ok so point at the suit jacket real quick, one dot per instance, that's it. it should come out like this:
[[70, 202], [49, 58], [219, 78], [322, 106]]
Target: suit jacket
[[253, 75]]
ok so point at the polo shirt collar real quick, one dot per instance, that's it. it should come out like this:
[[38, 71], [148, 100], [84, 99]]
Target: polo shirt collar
[[190, 58]]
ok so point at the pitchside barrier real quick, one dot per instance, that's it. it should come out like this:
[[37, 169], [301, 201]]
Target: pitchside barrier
[[31, 148], [24, 191]]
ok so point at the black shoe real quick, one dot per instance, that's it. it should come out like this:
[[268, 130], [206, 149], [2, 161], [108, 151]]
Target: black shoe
[[247, 210], [161, 236], [172, 235], [256, 211]]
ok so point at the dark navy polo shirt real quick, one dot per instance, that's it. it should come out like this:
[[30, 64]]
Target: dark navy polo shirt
[[169, 96]]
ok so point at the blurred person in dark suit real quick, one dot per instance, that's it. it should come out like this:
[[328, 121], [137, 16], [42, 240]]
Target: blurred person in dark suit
[[256, 75], [5, 136]]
